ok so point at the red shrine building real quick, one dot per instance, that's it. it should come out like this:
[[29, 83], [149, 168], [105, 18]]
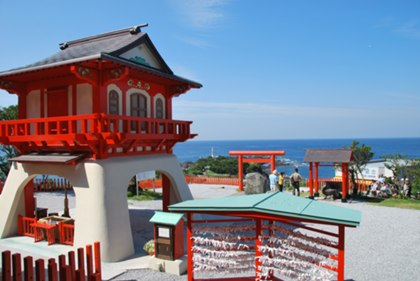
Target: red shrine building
[[97, 112]]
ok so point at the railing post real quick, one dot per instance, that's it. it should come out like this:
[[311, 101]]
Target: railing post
[[17, 267], [81, 264], [52, 270], [89, 261], [29, 268], [6, 266], [61, 266], [72, 265], [97, 253], [40, 270]]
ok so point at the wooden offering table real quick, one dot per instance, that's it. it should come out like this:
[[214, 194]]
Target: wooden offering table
[[48, 228]]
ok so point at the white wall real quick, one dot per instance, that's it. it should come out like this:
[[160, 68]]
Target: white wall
[[33, 104]]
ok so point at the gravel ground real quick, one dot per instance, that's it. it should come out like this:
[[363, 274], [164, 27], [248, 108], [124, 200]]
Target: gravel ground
[[385, 247]]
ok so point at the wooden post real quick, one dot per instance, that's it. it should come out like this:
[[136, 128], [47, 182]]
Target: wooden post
[[52, 270], [341, 241], [311, 187], [89, 261], [257, 249], [40, 270], [166, 192], [17, 267], [316, 179], [80, 273], [72, 265], [273, 162], [240, 172], [190, 264], [6, 266], [61, 266], [97, 252], [344, 181], [28, 265]]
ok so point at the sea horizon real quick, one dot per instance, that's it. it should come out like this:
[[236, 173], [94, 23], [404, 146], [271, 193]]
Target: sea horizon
[[295, 149]]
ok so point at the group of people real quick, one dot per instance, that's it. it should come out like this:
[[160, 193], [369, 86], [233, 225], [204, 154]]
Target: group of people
[[277, 181], [390, 188]]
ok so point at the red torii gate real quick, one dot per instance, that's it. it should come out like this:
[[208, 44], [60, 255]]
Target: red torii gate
[[335, 156], [242, 158]]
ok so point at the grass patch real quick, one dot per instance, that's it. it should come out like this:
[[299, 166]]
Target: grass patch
[[396, 203], [146, 195]]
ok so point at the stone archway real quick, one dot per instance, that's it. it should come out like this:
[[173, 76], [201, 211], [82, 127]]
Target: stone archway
[[101, 202]]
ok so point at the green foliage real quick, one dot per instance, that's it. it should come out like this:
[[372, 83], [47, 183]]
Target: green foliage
[[147, 195], [149, 247], [7, 151], [218, 165], [254, 168], [362, 154], [402, 167]]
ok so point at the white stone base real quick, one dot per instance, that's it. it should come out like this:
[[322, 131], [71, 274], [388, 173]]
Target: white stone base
[[101, 197], [176, 267]]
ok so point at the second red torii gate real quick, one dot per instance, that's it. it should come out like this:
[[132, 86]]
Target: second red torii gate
[[259, 154]]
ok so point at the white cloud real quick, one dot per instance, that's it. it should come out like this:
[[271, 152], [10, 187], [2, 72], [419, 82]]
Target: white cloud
[[201, 13], [410, 29]]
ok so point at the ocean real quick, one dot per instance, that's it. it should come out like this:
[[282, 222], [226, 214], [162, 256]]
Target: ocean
[[295, 149]]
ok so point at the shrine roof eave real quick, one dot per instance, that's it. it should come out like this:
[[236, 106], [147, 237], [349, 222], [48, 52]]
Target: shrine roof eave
[[151, 70], [46, 66], [108, 57], [277, 204]]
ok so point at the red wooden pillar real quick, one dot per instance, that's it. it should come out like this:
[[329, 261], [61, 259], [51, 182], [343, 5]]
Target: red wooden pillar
[[316, 179], [29, 199], [344, 181], [273, 162], [341, 241], [166, 192], [257, 248], [311, 181], [240, 173], [189, 247]]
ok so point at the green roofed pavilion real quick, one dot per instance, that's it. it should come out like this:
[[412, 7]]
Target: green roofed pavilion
[[277, 204]]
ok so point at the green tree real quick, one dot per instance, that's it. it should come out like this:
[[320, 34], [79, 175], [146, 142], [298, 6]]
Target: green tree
[[7, 151], [219, 165], [398, 164], [362, 154]]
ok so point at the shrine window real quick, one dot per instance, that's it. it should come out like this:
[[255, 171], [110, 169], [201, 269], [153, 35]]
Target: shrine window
[[159, 108], [138, 107], [113, 102]]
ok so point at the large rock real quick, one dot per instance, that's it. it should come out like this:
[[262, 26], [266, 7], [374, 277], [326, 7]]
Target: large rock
[[256, 183]]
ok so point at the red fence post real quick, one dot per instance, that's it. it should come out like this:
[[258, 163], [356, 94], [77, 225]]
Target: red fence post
[[40, 270], [52, 270], [190, 244], [28, 265], [72, 265], [97, 252], [80, 273], [61, 266], [89, 261], [17, 267], [341, 241], [6, 266]]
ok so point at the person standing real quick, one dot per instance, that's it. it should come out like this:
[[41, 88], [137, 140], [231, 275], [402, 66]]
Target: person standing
[[295, 180], [274, 179], [281, 181]]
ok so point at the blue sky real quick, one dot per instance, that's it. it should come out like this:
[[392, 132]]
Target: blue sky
[[270, 69]]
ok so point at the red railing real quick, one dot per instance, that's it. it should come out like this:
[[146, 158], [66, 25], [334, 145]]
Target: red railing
[[157, 183], [64, 271], [1, 185], [66, 233], [24, 226], [100, 134]]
